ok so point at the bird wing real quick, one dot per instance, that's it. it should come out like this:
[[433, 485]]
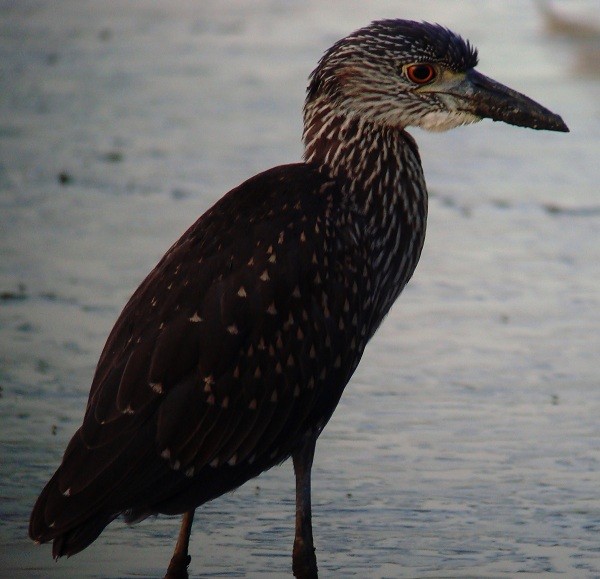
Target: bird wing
[[245, 333]]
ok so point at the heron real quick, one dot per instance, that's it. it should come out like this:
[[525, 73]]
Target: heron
[[233, 353]]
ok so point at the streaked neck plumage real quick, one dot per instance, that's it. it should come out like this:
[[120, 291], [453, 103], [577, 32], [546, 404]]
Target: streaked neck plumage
[[379, 170]]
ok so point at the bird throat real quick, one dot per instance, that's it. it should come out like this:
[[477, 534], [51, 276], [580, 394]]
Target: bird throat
[[379, 171]]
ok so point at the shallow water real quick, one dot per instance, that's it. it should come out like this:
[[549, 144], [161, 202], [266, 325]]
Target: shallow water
[[468, 441]]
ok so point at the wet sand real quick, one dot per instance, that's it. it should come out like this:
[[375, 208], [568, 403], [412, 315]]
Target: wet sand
[[467, 444]]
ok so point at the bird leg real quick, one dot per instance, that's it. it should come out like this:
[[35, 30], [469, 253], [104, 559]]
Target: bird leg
[[304, 561], [180, 560]]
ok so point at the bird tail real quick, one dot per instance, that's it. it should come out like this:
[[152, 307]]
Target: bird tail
[[67, 540], [93, 486]]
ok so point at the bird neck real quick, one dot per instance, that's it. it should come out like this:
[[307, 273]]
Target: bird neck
[[378, 167], [379, 171]]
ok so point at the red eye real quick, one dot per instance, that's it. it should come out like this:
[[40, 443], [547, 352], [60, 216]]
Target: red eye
[[420, 73]]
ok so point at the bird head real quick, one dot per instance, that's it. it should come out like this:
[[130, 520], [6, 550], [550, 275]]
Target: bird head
[[401, 73]]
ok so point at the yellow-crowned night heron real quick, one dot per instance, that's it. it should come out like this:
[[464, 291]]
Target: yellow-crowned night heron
[[233, 353]]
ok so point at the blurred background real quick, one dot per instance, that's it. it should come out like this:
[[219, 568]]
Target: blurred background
[[468, 442]]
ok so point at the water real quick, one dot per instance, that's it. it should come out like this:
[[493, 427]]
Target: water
[[468, 441]]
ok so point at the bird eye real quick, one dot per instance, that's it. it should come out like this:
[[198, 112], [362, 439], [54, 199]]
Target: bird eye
[[420, 73]]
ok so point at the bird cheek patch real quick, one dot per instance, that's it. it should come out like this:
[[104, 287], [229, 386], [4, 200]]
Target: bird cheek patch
[[351, 80]]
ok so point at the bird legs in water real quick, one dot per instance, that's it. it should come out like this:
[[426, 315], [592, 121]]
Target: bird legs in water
[[304, 561], [180, 560]]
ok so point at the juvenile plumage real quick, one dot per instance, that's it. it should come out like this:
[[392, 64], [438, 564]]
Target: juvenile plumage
[[233, 353]]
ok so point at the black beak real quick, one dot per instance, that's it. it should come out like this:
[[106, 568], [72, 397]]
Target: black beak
[[487, 98]]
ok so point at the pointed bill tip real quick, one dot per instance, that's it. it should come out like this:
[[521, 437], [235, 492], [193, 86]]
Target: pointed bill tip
[[488, 98], [561, 126]]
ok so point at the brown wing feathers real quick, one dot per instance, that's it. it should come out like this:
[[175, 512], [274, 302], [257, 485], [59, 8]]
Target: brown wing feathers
[[212, 365]]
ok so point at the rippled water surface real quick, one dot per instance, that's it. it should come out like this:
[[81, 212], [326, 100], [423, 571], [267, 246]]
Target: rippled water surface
[[468, 442]]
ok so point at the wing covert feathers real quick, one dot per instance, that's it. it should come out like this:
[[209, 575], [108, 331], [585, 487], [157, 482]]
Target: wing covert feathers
[[238, 341]]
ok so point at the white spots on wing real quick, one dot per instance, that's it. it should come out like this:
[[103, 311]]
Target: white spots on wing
[[233, 460], [279, 342], [289, 322], [271, 350], [338, 362], [274, 396], [251, 261], [208, 383], [176, 465], [236, 372], [233, 329], [157, 387], [67, 493], [225, 403], [278, 368], [313, 353], [311, 383], [210, 400], [272, 310], [214, 463], [314, 259], [257, 373], [196, 318], [296, 391], [290, 361], [281, 238], [261, 344], [253, 404], [346, 306], [323, 374], [341, 324], [300, 334], [264, 276], [296, 292], [128, 410], [302, 237], [272, 259], [166, 454], [153, 302], [242, 292], [189, 472]]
